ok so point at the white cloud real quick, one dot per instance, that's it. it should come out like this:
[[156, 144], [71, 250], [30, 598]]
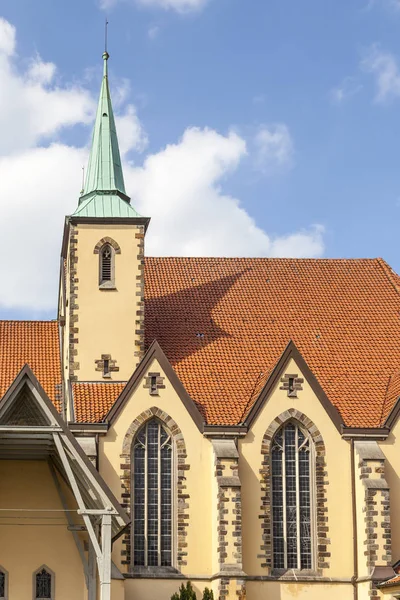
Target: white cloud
[[383, 65], [131, 134], [41, 72], [31, 109], [274, 148], [348, 87], [180, 6], [180, 187], [7, 37]]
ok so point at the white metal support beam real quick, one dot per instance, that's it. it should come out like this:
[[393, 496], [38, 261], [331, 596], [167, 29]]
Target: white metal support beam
[[105, 574], [77, 494], [79, 460], [92, 590], [71, 523], [103, 553]]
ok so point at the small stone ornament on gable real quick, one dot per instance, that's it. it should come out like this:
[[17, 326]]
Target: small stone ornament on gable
[[154, 382], [292, 383]]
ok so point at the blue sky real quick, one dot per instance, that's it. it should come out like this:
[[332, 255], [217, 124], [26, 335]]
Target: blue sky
[[296, 107]]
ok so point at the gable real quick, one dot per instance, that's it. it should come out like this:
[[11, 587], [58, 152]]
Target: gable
[[24, 411], [156, 365], [294, 385]]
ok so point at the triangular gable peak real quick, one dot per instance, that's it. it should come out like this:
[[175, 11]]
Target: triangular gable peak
[[291, 352], [155, 352], [26, 404]]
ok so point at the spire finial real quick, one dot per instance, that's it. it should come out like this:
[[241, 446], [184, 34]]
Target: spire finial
[[106, 56]]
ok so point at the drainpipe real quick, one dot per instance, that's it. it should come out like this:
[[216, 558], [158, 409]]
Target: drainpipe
[[355, 541]]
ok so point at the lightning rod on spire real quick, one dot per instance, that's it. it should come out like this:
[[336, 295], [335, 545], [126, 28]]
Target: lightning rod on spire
[[106, 36]]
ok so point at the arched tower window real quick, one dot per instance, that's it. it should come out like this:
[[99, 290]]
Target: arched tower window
[[43, 583], [152, 459], [106, 265], [292, 487]]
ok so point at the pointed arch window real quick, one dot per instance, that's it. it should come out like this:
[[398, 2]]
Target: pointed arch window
[[152, 508], [107, 267], [292, 492], [3, 584], [43, 584]]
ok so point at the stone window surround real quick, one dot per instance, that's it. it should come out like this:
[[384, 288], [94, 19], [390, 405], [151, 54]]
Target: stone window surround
[[322, 554], [115, 249], [181, 512], [112, 365], [297, 384], [153, 383]]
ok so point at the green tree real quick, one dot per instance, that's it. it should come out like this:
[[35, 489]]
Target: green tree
[[185, 593], [208, 594]]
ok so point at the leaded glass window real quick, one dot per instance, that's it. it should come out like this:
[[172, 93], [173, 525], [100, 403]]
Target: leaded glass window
[[152, 496], [291, 499], [2, 585], [43, 584]]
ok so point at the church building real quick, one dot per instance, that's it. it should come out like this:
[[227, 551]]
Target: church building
[[232, 422]]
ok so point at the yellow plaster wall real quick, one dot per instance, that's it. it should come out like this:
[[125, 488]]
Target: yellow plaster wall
[[271, 590], [339, 477], [159, 589], [107, 317], [28, 484], [199, 457]]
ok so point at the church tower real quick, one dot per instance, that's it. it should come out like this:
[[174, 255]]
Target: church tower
[[101, 299]]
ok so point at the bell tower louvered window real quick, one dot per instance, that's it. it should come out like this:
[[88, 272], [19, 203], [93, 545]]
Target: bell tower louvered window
[[152, 496], [106, 264], [44, 584], [292, 481]]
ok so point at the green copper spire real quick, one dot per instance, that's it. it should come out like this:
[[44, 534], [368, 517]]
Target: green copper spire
[[104, 192]]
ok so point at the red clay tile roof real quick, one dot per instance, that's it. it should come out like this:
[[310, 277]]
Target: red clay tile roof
[[223, 323], [92, 401], [37, 344]]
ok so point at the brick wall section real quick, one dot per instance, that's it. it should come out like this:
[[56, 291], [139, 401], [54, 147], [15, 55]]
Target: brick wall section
[[139, 322], [182, 497], [322, 560], [73, 304]]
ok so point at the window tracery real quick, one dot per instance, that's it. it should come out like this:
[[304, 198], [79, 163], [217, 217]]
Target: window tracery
[[292, 480], [152, 496]]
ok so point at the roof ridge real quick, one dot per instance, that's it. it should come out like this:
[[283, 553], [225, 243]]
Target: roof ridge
[[91, 382], [270, 258], [389, 272], [28, 320]]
